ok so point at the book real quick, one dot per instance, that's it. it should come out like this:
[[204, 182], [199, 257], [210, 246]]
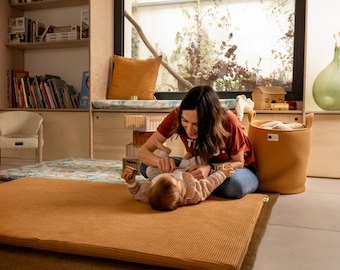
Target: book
[[84, 24], [35, 103], [62, 36], [38, 92], [68, 28], [49, 94], [39, 31], [59, 85], [17, 30], [44, 92], [25, 93], [14, 88], [84, 98], [8, 95], [48, 29], [55, 93], [73, 96]]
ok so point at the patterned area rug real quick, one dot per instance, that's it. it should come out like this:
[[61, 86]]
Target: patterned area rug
[[92, 170]]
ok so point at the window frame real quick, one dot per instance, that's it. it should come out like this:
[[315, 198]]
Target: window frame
[[298, 62]]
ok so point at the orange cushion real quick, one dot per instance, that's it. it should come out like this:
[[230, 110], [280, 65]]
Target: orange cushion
[[134, 77]]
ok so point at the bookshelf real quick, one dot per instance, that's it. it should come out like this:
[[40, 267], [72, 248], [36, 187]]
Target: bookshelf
[[40, 58], [49, 4], [66, 131], [50, 45]]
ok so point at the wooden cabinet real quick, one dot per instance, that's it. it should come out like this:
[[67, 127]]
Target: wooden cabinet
[[66, 132], [111, 136], [323, 161]]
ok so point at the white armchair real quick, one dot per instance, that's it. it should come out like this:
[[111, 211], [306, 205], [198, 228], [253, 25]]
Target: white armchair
[[21, 130]]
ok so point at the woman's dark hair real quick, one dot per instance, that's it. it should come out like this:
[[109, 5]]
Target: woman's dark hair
[[210, 116]]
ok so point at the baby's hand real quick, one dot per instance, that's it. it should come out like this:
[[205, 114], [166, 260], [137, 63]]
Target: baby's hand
[[129, 174], [227, 169]]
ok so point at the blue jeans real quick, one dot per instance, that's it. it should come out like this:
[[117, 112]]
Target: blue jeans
[[240, 183]]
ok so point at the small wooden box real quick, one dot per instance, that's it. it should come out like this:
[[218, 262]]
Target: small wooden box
[[131, 151], [140, 137], [263, 96], [142, 122], [134, 163]]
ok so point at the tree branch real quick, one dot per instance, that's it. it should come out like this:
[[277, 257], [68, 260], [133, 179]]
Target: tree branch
[[154, 52]]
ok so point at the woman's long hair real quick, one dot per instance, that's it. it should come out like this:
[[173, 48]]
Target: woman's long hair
[[210, 117]]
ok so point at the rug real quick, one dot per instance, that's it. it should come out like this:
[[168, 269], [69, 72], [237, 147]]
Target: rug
[[92, 170], [102, 220]]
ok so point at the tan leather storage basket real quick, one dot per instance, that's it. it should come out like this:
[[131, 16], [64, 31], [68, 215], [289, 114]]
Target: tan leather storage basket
[[281, 155]]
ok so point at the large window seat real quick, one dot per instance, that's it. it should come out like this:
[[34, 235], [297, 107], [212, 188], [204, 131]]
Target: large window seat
[[148, 104]]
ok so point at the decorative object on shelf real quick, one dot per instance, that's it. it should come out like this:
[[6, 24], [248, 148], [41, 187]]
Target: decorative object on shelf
[[263, 96], [326, 87]]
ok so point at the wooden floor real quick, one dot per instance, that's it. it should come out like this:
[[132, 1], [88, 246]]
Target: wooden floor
[[7, 163]]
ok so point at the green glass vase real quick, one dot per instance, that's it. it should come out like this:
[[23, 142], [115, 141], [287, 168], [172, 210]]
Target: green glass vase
[[326, 87]]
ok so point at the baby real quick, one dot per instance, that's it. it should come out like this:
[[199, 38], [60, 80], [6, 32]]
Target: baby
[[168, 191]]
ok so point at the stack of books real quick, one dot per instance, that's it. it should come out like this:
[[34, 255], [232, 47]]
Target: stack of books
[[71, 32]]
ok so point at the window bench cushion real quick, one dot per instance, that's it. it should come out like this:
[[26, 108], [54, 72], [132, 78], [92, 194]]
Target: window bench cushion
[[148, 104]]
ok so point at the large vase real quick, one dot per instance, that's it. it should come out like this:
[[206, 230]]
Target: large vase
[[326, 87]]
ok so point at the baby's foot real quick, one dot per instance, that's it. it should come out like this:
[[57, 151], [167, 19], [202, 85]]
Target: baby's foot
[[129, 174], [162, 147]]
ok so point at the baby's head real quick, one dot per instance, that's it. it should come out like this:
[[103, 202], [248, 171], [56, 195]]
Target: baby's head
[[167, 193]]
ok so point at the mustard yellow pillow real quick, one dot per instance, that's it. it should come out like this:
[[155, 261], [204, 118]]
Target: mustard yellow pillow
[[134, 77]]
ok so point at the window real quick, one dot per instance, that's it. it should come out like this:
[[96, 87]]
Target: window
[[242, 43]]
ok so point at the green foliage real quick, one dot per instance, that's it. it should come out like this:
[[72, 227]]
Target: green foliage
[[195, 54]]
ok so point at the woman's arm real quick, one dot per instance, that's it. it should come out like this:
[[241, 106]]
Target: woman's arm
[[237, 161], [146, 154]]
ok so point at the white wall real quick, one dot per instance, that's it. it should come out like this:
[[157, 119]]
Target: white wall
[[323, 20], [69, 64]]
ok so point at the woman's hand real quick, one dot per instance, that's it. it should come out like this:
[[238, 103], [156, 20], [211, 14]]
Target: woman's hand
[[166, 165], [200, 171]]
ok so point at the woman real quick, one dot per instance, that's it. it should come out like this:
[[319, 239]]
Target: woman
[[211, 132]]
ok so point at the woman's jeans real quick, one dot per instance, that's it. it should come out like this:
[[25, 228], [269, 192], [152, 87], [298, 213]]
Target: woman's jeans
[[240, 183]]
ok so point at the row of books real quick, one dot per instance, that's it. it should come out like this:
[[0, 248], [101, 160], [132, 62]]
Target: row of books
[[46, 92], [22, 29]]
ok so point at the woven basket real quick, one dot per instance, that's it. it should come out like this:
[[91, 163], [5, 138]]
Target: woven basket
[[281, 155]]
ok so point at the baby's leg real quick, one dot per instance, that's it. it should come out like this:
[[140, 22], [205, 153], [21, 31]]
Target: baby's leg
[[152, 172], [162, 147]]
